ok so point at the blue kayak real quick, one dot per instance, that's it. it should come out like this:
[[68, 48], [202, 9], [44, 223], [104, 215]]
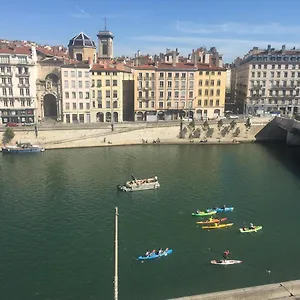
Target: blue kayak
[[165, 253], [220, 209]]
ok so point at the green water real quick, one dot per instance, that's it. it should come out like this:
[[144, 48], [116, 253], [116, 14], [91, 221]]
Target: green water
[[57, 220]]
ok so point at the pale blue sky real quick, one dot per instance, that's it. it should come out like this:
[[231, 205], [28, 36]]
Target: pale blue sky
[[233, 26]]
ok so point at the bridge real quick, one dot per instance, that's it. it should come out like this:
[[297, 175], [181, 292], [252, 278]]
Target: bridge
[[278, 291], [292, 128]]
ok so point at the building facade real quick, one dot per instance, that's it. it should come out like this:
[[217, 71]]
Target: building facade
[[107, 93], [18, 72], [76, 85], [167, 91], [268, 80]]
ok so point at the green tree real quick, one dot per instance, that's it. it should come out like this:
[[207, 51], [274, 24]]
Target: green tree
[[205, 125], [220, 124], [210, 132], [8, 135], [237, 132], [232, 124]]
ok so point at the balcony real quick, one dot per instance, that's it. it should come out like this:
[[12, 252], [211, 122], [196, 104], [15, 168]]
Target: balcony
[[256, 86], [282, 87], [27, 74], [23, 85]]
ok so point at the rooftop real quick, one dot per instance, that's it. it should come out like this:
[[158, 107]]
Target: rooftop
[[81, 40], [179, 66]]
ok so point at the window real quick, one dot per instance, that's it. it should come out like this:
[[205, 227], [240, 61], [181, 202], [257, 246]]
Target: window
[[264, 74], [161, 105], [79, 73], [11, 103], [207, 72], [161, 94], [10, 92], [258, 74], [176, 75], [218, 92], [217, 102], [191, 84], [80, 95], [206, 82], [161, 84], [67, 95], [176, 84], [176, 94], [87, 84], [86, 73], [140, 104], [169, 95], [72, 73], [293, 74], [191, 75], [183, 86], [80, 105], [73, 95], [66, 73], [107, 104], [285, 74], [199, 102], [168, 104], [22, 103], [80, 84], [87, 95], [73, 84], [28, 102], [87, 106], [169, 75], [169, 84], [218, 82], [152, 104], [219, 73], [211, 102], [22, 59], [272, 74], [115, 94], [199, 92], [21, 92], [253, 66], [273, 67], [161, 75], [99, 83], [107, 82], [212, 82], [4, 60], [140, 94], [182, 94], [205, 102], [211, 92], [200, 72], [183, 75], [67, 105], [107, 94], [206, 93], [66, 84], [115, 82], [253, 74], [200, 82], [5, 103], [74, 105], [152, 94], [99, 105], [191, 94]]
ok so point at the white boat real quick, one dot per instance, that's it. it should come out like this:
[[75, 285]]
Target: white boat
[[140, 184], [225, 262]]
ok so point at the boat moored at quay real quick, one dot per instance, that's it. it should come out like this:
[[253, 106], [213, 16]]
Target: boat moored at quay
[[21, 147], [139, 184]]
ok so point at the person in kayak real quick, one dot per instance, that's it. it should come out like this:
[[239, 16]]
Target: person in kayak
[[251, 226], [210, 219], [147, 253], [153, 252], [166, 250], [160, 251], [224, 206], [226, 254]]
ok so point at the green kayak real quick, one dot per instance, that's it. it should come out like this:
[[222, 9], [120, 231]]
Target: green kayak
[[246, 230], [203, 213]]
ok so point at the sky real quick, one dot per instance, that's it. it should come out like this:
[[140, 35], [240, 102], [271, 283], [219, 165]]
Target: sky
[[232, 26]]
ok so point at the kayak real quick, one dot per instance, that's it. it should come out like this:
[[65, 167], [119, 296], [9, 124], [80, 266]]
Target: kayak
[[212, 221], [220, 209], [256, 228], [203, 213], [165, 253], [226, 262], [218, 226]]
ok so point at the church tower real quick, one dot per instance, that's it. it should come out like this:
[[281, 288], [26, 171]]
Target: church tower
[[105, 44]]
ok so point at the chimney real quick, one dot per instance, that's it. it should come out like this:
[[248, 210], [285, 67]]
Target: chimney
[[196, 59], [283, 48], [173, 58]]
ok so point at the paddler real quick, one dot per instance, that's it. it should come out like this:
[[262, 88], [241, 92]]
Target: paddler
[[251, 226], [226, 254], [147, 253], [211, 219]]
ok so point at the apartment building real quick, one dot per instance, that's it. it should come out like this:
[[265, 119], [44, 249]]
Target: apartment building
[[76, 102], [18, 74], [111, 94], [169, 90], [267, 80]]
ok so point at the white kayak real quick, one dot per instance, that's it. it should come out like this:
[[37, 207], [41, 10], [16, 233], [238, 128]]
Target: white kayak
[[226, 262]]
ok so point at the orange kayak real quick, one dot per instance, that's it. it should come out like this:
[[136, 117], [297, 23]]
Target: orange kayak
[[212, 221]]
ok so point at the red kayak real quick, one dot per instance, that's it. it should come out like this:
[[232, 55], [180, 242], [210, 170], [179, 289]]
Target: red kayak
[[213, 221]]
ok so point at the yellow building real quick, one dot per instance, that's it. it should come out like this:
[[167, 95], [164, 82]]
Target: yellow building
[[110, 93], [210, 92], [166, 91]]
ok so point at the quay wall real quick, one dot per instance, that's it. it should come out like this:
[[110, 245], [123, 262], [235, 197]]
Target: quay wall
[[131, 135], [274, 291]]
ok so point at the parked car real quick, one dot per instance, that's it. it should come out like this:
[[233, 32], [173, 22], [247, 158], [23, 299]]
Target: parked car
[[11, 124], [233, 117], [27, 124], [187, 119]]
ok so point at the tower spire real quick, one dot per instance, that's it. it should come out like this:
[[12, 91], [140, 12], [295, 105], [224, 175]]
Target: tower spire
[[105, 23]]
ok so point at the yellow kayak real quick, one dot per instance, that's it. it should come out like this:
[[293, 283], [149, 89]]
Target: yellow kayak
[[218, 226]]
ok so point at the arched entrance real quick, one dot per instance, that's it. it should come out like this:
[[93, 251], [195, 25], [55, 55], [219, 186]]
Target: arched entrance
[[50, 107], [108, 117], [139, 116], [100, 117], [116, 117]]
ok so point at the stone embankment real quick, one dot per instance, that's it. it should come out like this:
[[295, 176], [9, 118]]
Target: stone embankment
[[134, 135], [278, 291]]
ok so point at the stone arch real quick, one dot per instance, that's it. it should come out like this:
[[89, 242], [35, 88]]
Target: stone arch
[[100, 117], [161, 115], [217, 112], [53, 78], [108, 117], [50, 106], [140, 116], [116, 116]]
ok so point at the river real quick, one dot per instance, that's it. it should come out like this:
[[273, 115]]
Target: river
[[57, 220]]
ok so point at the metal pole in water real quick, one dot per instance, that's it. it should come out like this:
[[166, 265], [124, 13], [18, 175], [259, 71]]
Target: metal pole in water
[[116, 254]]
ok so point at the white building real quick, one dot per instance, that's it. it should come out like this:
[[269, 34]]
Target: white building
[[76, 103], [18, 74]]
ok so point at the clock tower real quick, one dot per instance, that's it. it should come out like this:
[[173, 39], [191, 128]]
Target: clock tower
[[105, 43]]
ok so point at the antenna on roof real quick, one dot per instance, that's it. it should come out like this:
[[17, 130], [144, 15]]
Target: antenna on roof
[[105, 23]]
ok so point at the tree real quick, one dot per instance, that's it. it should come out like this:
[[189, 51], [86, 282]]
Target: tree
[[220, 124], [248, 123], [205, 125], [237, 132], [210, 132], [8, 135], [232, 124]]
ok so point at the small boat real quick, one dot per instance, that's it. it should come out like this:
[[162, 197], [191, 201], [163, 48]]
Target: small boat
[[218, 226], [155, 256], [203, 213], [212, 221], [221, 209], [22, 147], [139, 184], [225, 262], [246, 230]]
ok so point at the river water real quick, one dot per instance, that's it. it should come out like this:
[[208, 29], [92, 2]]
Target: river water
[[57, 220]]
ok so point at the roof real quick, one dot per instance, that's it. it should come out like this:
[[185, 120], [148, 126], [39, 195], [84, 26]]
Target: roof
[[81, 40], [16, 50], [76, 65], [105, 33], [181, 66], [97, 67], [52, 52]]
